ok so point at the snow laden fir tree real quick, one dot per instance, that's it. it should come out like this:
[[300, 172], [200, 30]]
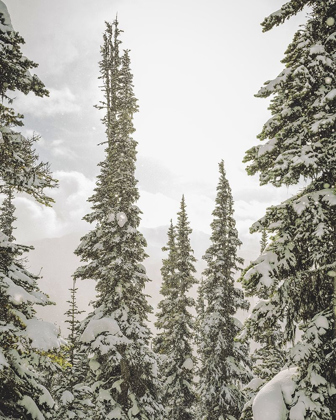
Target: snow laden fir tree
[[24, 340], [174, 342], [295, 277], [115, 336], [72, 396], [223, 360]]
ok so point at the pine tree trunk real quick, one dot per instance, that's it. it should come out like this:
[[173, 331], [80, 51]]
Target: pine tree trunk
[[125, 375]]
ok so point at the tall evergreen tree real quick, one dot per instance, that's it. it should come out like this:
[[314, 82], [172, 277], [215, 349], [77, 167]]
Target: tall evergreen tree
[[163, 343], [24, 339], [295, 277], [169, 290], [223, 360], [175, 322], [115, 336]]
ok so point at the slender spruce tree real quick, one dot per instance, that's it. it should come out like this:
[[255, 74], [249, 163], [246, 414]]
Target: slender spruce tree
[[174, 341], [296, 275], [223, 359], [164, 340], [72, 319], [115, 336], [73, 397], [181, 371]]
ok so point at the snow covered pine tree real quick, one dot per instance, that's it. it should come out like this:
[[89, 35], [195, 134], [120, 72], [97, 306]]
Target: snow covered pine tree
[[72, 396], [223, 360], [176, 324], [115, 336], [163, 343], [19, 164], [296, 276], [23, 338]]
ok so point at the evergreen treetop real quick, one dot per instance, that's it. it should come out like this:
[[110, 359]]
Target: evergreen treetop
[[164, 341], [73, 397], [122, 369], [223, 360], [72, 319], [174, 341]]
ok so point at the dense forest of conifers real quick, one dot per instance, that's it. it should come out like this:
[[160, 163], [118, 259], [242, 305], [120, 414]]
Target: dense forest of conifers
[[197, 366]]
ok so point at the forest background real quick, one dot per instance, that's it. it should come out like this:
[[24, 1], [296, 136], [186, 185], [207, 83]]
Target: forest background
[[196, 65]]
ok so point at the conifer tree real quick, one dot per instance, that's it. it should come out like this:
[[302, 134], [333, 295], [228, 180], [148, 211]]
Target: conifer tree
[[163, 343], [115, 336], [223, 360], [184, 388], [295, 276], [73, 397], [175, 322], [72, 319], [24, 339], [19, 163]]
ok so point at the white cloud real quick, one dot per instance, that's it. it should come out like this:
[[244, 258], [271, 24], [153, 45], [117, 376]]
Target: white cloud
[[60, 101], [36, 222]]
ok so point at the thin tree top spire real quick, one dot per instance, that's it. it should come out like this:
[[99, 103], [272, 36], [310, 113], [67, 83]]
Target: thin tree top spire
[[223, 361]]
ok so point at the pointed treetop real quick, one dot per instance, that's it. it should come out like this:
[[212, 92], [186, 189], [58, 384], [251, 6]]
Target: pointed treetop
[[221, 167], [182, 219]]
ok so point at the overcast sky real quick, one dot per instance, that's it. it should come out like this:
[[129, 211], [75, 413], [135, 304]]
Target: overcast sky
[[197, 65]]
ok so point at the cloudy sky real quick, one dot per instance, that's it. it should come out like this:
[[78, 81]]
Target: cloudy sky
[[197, 65]]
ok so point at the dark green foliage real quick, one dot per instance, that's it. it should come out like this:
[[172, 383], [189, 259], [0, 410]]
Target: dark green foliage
[[19, 163], [72, 396], [289, 9], [223, 359], [295, 276], [263, 241], [175, 322], [23, 368], [115, 336], [25, 341]]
